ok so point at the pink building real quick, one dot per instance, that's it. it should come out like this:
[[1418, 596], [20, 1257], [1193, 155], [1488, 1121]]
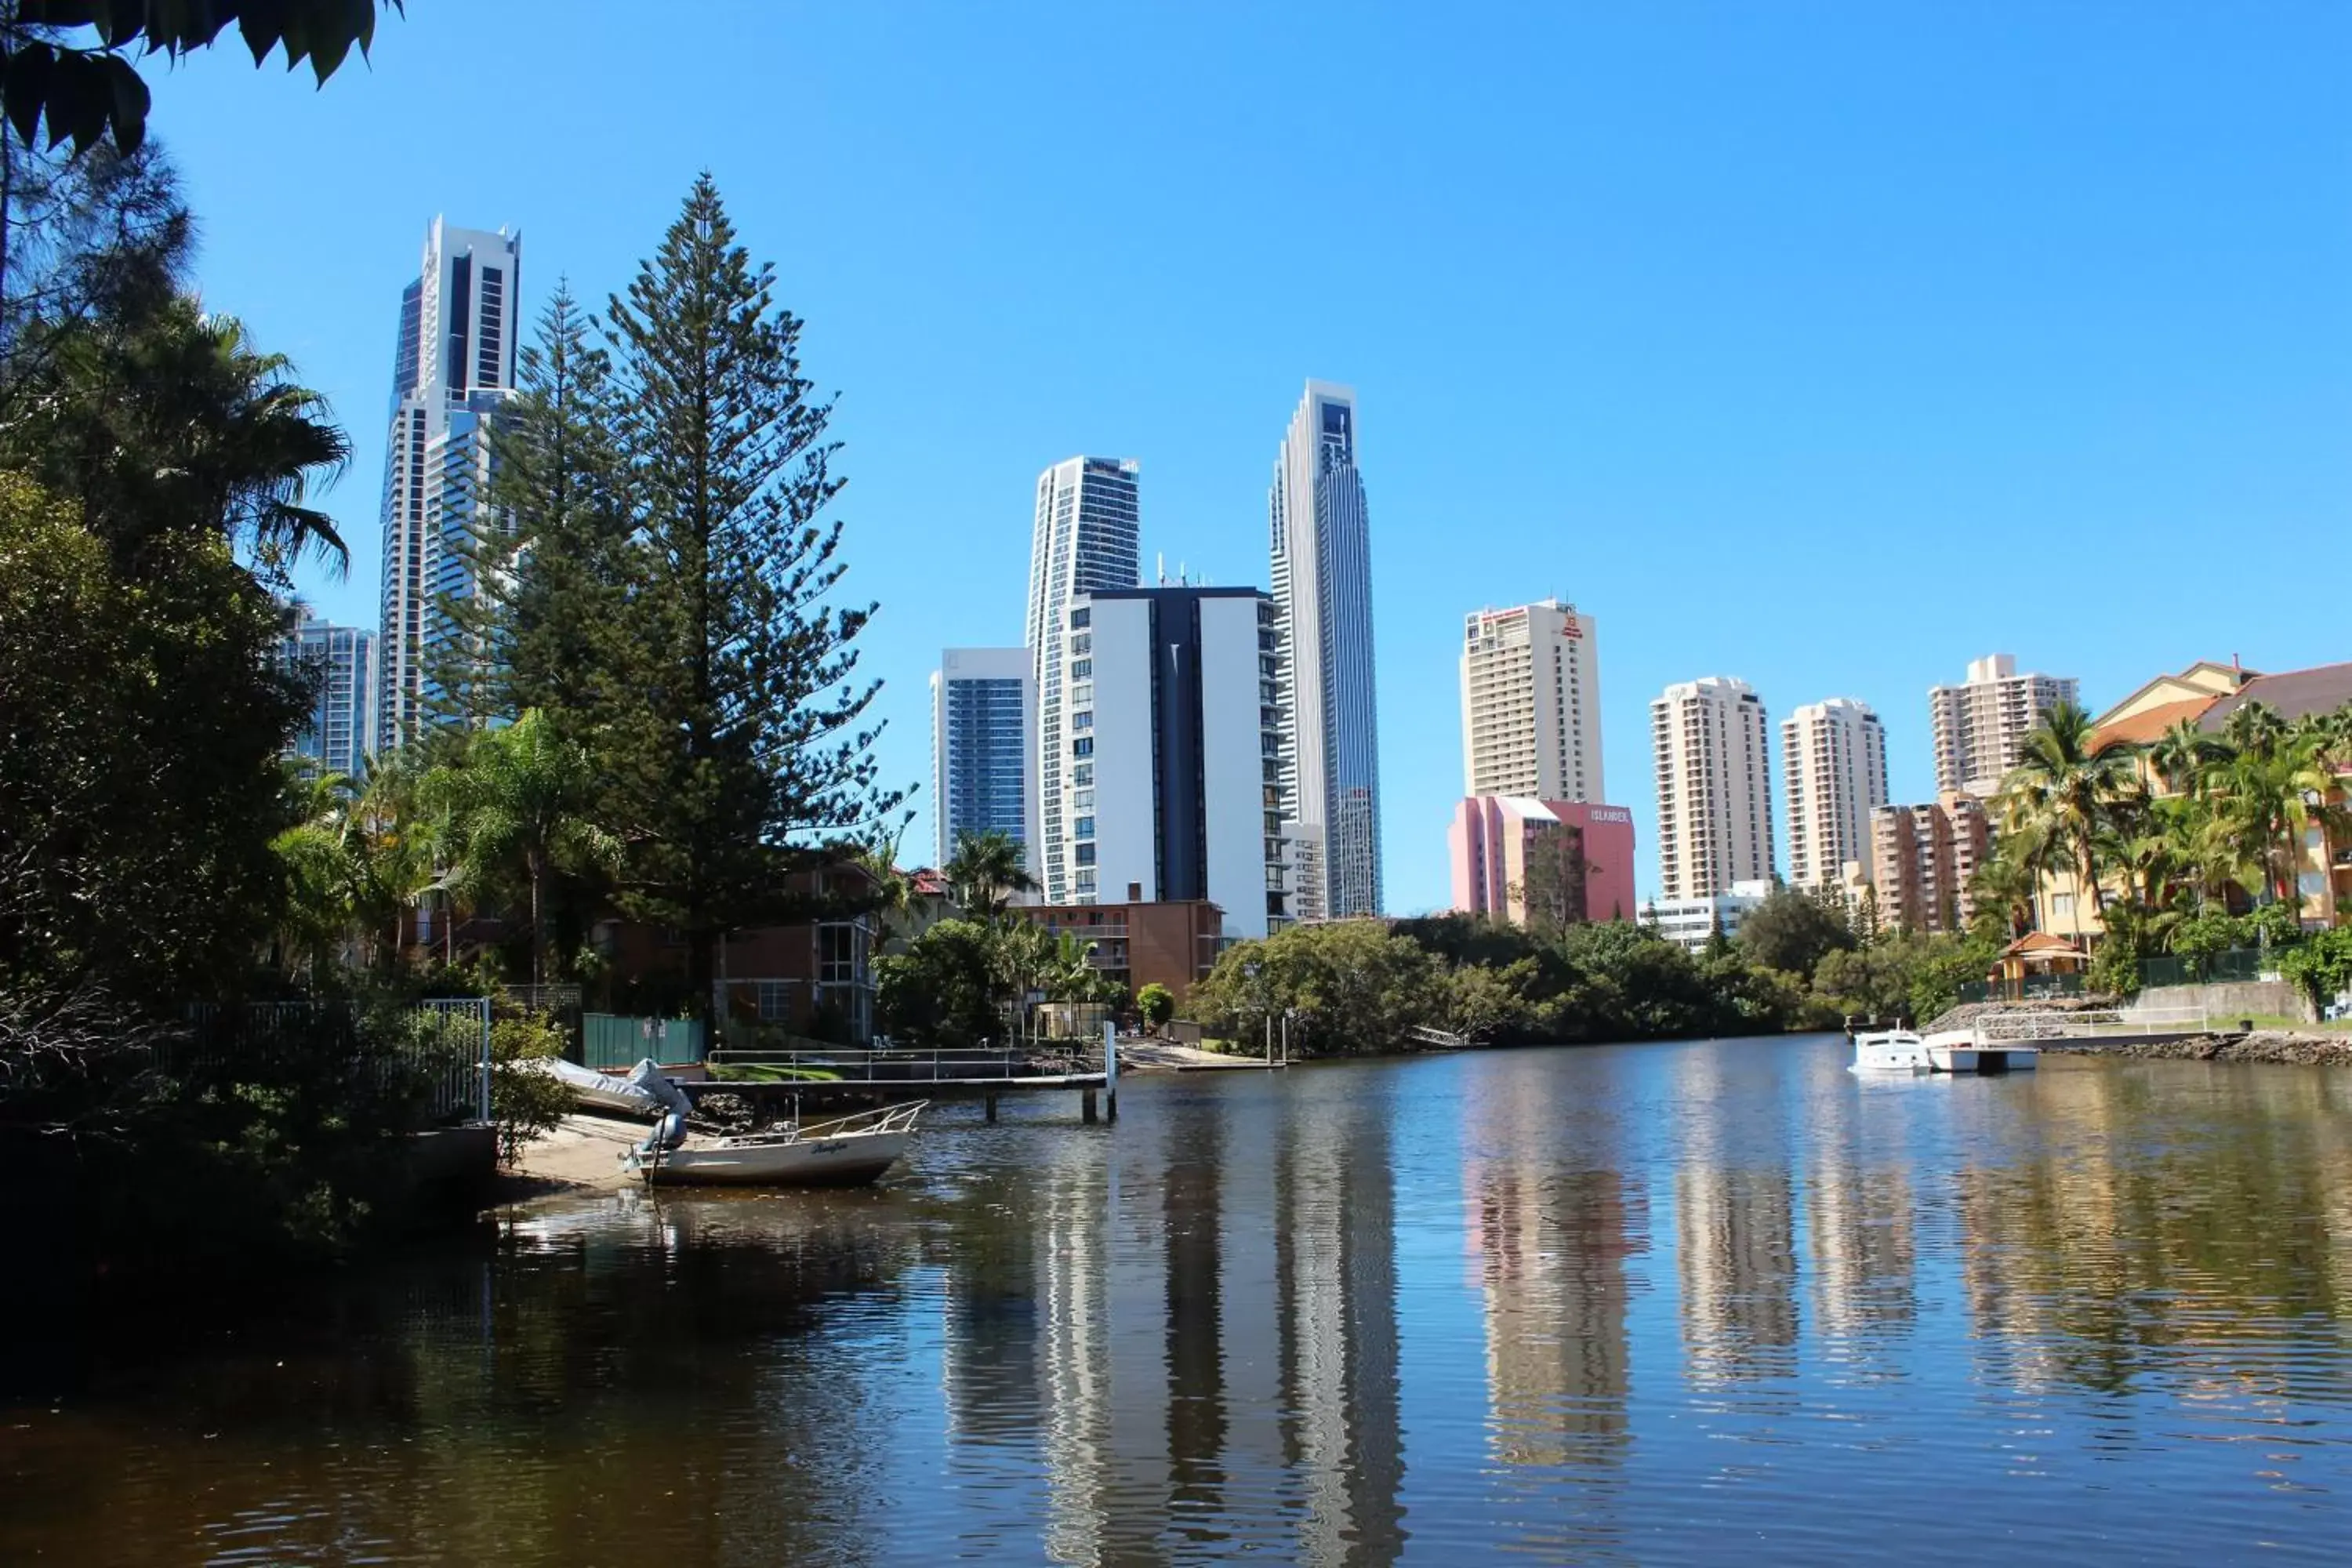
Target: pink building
[[1584, 851]]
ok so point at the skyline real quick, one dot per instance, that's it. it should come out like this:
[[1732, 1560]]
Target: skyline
[[1754, 334]]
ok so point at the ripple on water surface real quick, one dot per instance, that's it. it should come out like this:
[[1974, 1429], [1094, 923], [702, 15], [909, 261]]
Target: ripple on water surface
[[1664, 1304]]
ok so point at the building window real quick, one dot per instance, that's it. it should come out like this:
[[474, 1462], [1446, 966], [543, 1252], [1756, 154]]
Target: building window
[[1082, 720], [1081, 618], [1084, 746], [1085, 854], [1083, 773], [1086, 828], [1081, 799], [1081, 669]]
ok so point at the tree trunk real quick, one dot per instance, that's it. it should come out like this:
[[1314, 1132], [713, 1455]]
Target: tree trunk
[[538, 928]]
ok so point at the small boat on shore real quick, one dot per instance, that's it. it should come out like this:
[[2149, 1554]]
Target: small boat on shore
[[599, 1091], [846, 1152], [1891, 1051]]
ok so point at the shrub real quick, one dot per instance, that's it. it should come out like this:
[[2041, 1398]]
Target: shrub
[[525, 1102]]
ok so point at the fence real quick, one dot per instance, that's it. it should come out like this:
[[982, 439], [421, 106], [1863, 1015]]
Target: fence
[[2091, 1023], [609, 1040], [441, 1047], [2030, 988], [2236, 966]]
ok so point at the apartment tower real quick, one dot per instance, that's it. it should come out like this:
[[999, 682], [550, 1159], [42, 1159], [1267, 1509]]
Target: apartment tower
[[984, 748], [1713, 752], [1531, 703], [1168, 725], [1833, 765], [1923, 858], [338, 727], [1085, 542], [1980, 725], [454, 357]]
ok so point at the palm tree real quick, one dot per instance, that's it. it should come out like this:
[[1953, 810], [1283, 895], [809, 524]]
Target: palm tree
[[395, 846], [2185, 756], [2060, 792], [320, 879], [894, 890], [164, 419], [2276, 788], [985, 871], [519, 806]]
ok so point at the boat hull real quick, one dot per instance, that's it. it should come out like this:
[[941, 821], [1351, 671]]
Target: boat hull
[[854, 1161], [1982, 1059]]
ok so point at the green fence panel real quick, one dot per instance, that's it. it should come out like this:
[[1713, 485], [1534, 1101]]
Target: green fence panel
[[610, 1040]]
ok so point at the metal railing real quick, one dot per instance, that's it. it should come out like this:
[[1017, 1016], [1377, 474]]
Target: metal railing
[[440, 1046], [946, 1064]]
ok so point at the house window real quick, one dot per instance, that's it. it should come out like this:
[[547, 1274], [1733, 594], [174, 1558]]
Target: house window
[[775, 998]]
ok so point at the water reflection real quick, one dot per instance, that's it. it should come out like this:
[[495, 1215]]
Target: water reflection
[[1354, 1315]]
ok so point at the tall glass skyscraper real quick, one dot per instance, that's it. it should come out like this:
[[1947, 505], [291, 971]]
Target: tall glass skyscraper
[[1086, 539], [456, 356], [340, 660], [1327, 780], [984, 748]]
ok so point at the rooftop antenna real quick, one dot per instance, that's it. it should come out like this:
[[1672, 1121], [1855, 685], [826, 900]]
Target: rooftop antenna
[[1160, 567]]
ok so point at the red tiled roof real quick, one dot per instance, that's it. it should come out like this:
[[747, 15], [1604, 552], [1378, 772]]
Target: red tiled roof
[[2323, 688], [2033, 944]]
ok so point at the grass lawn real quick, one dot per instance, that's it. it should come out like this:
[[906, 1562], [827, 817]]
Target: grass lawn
[[2280, 1021], [762, 1072]]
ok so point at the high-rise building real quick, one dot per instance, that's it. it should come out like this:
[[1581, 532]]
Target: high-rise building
[[456, 356], [1168, 727], [1562, 862], [984, 747], [1531, 703], [1329, 767], [1981, 724], [340, 662], [1922, 860], [1713, 753], [1085, 541], [1833, 765], [1692, 923]]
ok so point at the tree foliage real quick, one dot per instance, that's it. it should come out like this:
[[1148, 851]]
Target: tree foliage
[[1793, 930], [65, 64]]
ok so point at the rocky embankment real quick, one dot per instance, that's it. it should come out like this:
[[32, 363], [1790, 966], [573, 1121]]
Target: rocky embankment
[[1965, 1015], [2261, 1045]]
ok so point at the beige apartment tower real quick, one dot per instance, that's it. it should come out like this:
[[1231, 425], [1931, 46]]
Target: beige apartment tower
[[1922, 860], [1531, 703], [1833, 766], [1980, 725], [1713, 751]]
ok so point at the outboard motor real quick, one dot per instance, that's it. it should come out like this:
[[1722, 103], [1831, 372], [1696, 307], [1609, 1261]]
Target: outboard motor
[[670, 1131]]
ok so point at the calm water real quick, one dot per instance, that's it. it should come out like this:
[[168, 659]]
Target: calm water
[[1647, 1304]]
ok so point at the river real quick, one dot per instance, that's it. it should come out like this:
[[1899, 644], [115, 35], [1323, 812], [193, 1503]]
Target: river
[[1672, 1303]]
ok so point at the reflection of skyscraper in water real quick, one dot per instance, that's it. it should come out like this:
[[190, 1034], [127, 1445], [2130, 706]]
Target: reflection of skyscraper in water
[[1074, 1354], [1550, 1247], [1734, 1223], [1859, 1226], [1336, 1280]]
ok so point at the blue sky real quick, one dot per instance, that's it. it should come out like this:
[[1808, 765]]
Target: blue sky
[[1825, 345]]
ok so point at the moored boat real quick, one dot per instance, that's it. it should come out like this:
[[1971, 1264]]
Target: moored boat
[[846, 1152], [599, 1091], [1964, 1050], [1892, 1051]]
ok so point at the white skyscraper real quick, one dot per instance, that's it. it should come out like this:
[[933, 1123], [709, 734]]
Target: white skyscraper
[[1085, 541], [1715, 787], [1169, 722], [1327, 773], [984, 748], [1531, 703], [1981, 724], [1833, 760], [456, 356]]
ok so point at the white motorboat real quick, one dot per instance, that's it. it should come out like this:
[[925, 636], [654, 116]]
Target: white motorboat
[[1892, 1051], [846, 1151], [1964, 1050]]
